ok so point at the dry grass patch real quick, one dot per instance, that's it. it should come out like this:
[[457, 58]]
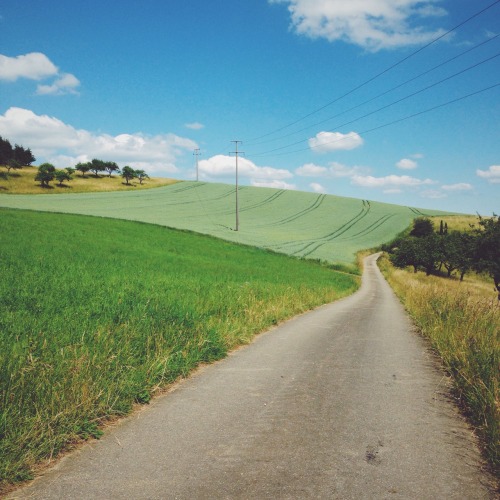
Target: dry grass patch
[[462, 322], [23, 182]]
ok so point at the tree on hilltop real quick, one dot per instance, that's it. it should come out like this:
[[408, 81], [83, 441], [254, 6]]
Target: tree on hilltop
[[83, 168], [97, 166], [110, 167], [141, 175], [128, 173], [62, 175], [46, 174]]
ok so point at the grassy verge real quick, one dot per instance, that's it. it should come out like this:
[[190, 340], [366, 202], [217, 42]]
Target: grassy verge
[[97, 314], [462, 321], [23, 182]]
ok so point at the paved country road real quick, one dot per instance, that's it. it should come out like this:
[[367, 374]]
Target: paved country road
[[344, 402]]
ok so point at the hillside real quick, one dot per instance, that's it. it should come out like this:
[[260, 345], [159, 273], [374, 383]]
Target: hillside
[[315, 226]]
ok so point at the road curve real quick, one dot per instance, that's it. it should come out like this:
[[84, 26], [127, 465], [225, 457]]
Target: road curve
[[343, 402]]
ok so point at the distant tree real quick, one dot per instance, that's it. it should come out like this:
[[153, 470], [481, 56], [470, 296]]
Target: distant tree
[[83, 168], [6, 151], [46, 174], [128, 173], [62, 175], [422, 227], [97, 166], [70, 170], [141, 175], [13, 164], [23, 156], [110, 167], [488, 248]]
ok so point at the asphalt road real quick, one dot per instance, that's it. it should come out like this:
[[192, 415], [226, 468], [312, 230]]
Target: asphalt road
[[345, 402]]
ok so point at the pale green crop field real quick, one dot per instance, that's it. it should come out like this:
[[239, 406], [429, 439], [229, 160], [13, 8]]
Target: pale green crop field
[[315, 226]]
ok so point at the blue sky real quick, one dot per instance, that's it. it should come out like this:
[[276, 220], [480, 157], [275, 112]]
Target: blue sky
[[146, 83]]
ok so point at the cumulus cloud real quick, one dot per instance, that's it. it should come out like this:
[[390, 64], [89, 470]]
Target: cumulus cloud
[[334, 170], [34, 66], [492, 175], [334, 141], [389, 181], [274, 184], [461, 186], [406, 164], [371, 24], [55, 141], [65, 84], [194, 126], [37, 66], [224, 166], [317, 188]]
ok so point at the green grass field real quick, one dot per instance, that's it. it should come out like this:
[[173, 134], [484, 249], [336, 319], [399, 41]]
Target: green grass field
[[316, 226], [96, 314]]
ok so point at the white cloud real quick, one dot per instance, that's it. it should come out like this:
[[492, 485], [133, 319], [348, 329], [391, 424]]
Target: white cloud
[[433, 194], [492, 175], [311, 170], [37, 66], [371, 24], [65, 84], [334, 170], [53, 140], [389, 181], [194, 126], [317, 188], [34, 66], [406, 164], [223, 166], [461, 186], [274, 184], [333, 141]]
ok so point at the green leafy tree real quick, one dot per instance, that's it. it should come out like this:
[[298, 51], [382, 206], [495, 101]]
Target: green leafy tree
[[62, 175], [128, 173], [83, 168], [406, 254], [141, 175], [13, 164], [97, 166], [45, 174], [422, 227], [110, 167], [23, 156], [488, 249], [70, 170], [6, 151]]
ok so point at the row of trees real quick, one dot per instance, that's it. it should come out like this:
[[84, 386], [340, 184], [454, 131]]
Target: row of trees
[[47, 172], [455, 251], [14, 157]]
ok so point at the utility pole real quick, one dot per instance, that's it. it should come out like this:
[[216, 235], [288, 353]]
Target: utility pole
[[236, 153], [197, 153]]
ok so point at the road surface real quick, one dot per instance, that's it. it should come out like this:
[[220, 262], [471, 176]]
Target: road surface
[[344, 402]]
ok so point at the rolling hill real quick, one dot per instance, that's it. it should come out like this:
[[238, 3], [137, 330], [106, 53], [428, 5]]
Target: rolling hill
[[315, 226]]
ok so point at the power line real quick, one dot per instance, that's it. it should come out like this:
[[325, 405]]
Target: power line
[[196, 153], [366, 82], [383, 93], [399, 120], [413, 94]]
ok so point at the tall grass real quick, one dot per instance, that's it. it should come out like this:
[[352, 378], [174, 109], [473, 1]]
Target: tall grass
[[463, 325], [97, 314]]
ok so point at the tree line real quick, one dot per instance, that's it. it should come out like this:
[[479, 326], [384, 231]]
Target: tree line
[[47, 172], [14, 157], [450, 252]]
